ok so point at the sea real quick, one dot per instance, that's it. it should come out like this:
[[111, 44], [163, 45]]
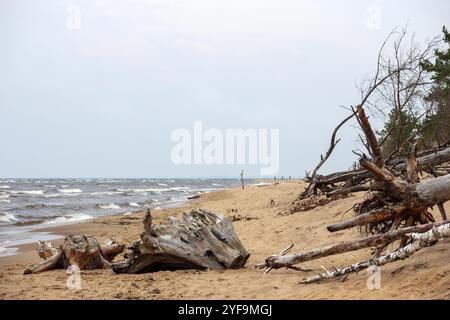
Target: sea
[[28, 205]]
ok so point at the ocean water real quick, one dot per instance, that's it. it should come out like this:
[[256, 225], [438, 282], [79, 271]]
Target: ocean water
[[30, 204]]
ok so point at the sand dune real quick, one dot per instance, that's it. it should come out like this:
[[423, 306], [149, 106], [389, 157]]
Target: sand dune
[[426, 275]]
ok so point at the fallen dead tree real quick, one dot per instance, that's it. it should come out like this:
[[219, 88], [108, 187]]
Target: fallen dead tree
[[396, 88], [79, 251], [395, 209], [325, 189], [203, 240]]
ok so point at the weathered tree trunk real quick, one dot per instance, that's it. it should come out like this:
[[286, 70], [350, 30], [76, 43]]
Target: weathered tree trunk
[[433, 159], [434, 190], [372, 142], [76, 250], [202, 240]]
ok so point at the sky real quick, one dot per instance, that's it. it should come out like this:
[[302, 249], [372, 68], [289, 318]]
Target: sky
[[96, 88]]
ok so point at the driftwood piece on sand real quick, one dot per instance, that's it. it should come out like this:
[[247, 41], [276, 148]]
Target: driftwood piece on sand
[[77, 250], [202, 240], [420, 240], [287, 261]]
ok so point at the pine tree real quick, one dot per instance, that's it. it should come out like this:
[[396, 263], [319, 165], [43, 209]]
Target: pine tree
[[437, 124], [400, 126]]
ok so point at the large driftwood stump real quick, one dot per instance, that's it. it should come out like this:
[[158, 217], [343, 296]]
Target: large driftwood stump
[[202, 240], [77, 250]]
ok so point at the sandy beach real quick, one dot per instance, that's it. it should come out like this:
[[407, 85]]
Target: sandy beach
[[426, 275]]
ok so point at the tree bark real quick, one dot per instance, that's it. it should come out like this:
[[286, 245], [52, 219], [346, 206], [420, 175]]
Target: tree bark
[[372, 141], [434, 190], [432, 159], [370, 217]]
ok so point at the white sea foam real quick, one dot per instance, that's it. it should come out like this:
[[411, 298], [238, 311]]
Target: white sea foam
[[5, 187], [108, 206], [99, 193], [4, 252], [132, 190], [144, 191], [52, 195], [163, 185], [31, 192], [70, 218], [7, 217], [179, 188], [127, 213], [70, 191], [133, 204]]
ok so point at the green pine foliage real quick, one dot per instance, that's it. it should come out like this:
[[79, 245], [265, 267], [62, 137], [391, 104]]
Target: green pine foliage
[[400, 126], [437, 124]]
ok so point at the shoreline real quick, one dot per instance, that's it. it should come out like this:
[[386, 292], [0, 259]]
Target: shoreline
[[262, 231], [57, 231]]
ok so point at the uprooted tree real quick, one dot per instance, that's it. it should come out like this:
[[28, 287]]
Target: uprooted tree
[[397, 201], [396, 208], [400, 89]]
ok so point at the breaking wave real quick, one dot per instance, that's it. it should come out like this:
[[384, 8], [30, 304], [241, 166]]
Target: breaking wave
[[109, 206], [70, 218], [133, 204], [7, 217], [31, 192], [65, 191]]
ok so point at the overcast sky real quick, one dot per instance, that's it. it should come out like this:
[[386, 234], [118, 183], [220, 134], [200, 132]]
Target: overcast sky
[[102, 97]]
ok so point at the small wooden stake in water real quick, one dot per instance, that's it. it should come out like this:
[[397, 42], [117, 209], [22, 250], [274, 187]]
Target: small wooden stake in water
[[242, 179]]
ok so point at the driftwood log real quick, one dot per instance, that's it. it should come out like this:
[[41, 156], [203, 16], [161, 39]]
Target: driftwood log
[[421, 240], [287, 261], [202, 240], [77, 250]]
